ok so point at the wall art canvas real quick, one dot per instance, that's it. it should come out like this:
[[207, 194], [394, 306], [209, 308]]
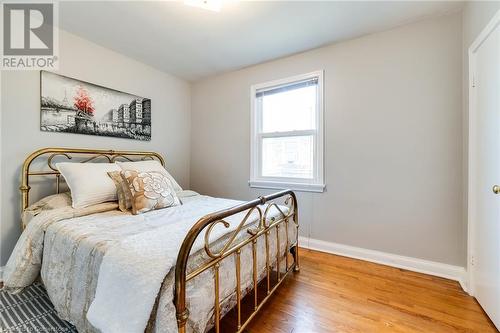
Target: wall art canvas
[[73, 106]]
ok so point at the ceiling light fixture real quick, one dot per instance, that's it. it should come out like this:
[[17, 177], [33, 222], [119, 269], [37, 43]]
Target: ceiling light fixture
[[213, 5]]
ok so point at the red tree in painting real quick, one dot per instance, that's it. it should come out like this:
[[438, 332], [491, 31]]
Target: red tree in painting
[[84, 103]]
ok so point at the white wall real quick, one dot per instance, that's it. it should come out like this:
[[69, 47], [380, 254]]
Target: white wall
[[79, 58], [393, 125]]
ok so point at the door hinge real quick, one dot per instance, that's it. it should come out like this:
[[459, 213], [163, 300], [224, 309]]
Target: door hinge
[[473, 80], [472, 260]]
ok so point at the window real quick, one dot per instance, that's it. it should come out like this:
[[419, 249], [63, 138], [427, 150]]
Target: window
[[287, 133]]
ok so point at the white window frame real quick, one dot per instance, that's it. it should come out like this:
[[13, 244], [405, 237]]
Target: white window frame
[[317, 184]]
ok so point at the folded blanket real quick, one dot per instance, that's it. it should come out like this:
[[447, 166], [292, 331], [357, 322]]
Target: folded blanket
[[23, 266]]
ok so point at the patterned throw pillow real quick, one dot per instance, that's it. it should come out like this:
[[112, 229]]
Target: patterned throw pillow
[[149, 190], [122, 191]]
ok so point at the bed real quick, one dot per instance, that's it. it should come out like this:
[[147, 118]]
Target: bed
[[180, 269]]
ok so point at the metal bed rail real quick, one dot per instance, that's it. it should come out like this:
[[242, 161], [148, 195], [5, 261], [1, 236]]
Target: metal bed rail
[[266, 227]]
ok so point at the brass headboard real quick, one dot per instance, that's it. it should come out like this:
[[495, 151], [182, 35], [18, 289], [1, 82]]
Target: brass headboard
[[86, 155]]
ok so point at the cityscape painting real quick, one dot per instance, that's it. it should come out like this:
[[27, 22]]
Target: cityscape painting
[[73, 106]]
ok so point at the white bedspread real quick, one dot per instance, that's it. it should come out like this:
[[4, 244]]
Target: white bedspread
[[107, 268], [134, 268]]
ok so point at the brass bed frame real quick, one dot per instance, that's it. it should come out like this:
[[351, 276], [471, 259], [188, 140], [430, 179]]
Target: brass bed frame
[[262, 229]]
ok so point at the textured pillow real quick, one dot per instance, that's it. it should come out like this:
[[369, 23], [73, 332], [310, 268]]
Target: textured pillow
[[150, 165], [149, 190], [122, 191], [89, 182]]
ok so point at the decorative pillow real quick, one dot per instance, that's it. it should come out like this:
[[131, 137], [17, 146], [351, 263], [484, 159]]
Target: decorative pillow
[[54, 201], [149, 165], [122, 191], [89, 182], [149, 190]]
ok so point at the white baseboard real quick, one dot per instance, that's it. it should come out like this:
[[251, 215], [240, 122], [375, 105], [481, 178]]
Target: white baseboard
[[447, 271]]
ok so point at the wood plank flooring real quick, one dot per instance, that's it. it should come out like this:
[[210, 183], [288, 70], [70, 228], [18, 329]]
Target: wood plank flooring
[[338, 294]]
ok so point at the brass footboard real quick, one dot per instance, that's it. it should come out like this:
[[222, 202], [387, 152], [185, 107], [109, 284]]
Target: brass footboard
[[265, 228]]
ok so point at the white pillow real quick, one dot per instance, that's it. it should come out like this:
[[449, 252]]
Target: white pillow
[[89, 182], [150, 165]]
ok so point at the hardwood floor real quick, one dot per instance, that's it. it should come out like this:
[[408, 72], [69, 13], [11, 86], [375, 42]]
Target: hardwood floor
[[339, 294]]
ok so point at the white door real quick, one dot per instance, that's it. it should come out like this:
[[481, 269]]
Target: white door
[[484, 161]]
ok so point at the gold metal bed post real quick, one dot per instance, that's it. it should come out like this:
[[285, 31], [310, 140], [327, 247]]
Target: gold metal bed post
[[88, 155], [263, 230]]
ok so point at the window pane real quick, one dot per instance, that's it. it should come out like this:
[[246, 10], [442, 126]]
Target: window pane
[[289, 110], [288, 157]]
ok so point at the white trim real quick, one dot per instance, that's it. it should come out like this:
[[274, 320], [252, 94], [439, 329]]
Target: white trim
[[287, 80], [471, 207], [456, 273], [1, 272], [297, 184], [471, 217], [483, 35], [303, 187]]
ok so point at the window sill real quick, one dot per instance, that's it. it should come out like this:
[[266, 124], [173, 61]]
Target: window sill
[[301, 187]]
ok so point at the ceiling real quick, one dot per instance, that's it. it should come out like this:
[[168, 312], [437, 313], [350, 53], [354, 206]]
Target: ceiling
[[193, 43]]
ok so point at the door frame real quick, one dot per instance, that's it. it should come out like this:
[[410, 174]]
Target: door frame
[[472, 166]]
